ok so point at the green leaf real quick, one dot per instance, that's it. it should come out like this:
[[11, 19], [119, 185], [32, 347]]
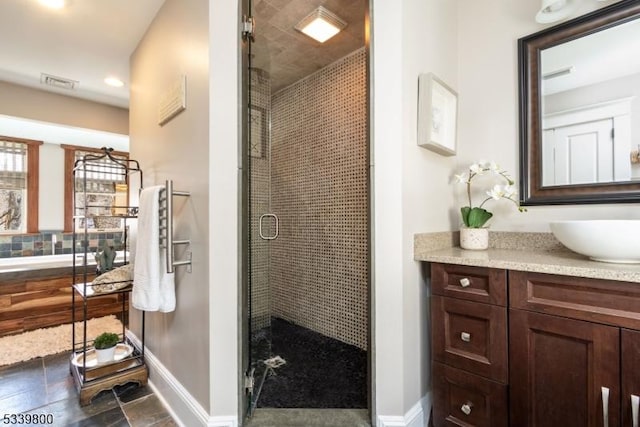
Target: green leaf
[[465, 214], [477, 217]]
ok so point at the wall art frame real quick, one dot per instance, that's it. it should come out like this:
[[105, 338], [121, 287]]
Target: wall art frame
[[437, 115]]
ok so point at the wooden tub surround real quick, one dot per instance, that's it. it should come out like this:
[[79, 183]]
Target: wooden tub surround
[[33, 299]]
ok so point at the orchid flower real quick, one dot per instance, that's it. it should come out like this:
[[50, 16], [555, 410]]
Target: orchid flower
[[476, 217]]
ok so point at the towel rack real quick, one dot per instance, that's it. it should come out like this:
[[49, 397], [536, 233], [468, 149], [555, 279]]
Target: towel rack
[[166, 227]]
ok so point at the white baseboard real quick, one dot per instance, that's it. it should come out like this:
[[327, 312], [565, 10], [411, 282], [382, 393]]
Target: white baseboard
[[417, 416], [183, 407]]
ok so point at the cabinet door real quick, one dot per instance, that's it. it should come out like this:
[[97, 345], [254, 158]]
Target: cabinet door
[[560, 371], [630, 378]]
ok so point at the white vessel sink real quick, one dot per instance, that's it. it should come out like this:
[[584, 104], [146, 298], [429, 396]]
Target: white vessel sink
[[601, 240]]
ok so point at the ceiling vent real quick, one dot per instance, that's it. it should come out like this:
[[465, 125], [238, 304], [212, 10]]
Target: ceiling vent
[[59, 82]]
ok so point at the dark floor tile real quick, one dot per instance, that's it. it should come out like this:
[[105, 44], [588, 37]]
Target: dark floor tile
[[45, 386], [131, 391], [60, 390], [145, 411], [165, 422], [69, 411], [28, 376], [22, 402], [111, 418], [56, 367]]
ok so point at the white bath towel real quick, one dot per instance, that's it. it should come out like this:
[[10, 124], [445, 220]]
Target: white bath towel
[[153, 287]]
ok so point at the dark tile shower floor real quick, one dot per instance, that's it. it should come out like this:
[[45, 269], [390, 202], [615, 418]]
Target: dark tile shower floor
[[45, 386], [320, 372]]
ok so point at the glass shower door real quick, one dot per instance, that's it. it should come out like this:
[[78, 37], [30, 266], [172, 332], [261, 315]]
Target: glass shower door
[[260, 225]]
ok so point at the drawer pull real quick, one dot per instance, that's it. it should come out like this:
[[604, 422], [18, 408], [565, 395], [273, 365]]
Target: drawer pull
[[635, 406], [464, 282], [466, 408], [465, 336], [605, 406]]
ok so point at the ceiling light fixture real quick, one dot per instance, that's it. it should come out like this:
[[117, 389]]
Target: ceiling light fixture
[[52, 4], [321, 24], [114, 81], [555, 10]]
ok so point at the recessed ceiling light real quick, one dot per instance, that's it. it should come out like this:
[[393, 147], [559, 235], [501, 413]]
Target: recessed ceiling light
[[321, 24], [114, 81], [52, 4]]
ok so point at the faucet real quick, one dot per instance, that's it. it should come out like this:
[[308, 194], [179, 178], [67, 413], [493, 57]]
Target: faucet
[[54, 240]]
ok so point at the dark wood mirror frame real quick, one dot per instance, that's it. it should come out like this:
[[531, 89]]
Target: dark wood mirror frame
[[529, 50]]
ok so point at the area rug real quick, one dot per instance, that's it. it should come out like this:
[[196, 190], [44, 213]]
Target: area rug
[[47, 341]]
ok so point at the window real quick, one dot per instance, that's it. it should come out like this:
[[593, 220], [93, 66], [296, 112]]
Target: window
[[19, 174], [106, 190]]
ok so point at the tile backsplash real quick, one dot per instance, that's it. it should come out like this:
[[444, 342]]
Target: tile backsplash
[[23, 245]]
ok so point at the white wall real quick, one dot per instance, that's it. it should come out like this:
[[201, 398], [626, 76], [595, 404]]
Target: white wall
[[411, 192], [488, 109], [30, 103], [176, 44], [51, 188], [224, 206]]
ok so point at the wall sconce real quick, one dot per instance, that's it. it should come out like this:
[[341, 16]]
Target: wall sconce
[[321, 24], [555, 10]]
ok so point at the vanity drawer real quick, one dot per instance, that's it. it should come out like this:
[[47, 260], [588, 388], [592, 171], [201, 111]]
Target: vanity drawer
[[481, 284], [470, 336], [595, 300], [464, 399]]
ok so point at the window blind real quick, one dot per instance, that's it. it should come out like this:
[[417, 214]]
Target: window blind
[[13, 165], [102, 174]]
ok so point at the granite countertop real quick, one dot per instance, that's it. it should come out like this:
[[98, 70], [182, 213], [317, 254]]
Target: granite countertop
[[535, 252]]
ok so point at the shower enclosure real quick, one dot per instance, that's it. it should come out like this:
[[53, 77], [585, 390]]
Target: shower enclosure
[[305, 209]]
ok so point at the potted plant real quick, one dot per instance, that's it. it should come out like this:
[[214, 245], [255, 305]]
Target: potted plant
[[473, 233], [105, 346]]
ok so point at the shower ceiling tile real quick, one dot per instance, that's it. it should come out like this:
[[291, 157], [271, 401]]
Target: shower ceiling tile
[[290, 55]]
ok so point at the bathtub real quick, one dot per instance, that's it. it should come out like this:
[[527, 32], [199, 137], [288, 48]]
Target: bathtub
[[48, 261]]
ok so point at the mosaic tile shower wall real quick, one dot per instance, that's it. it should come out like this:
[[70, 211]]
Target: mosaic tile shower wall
[[260, 193], [319, 272]]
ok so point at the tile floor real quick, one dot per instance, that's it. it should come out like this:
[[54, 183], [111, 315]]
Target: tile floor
[[270, 417], [45, 386]]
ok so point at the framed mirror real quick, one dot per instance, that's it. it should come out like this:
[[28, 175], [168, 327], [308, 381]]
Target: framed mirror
[[580, 109]]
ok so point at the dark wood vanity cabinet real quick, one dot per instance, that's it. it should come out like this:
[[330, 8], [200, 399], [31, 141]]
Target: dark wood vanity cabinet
[[469, 344], [573, 347], [562, 370]]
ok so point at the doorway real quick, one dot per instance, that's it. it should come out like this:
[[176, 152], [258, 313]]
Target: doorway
[[306, 209]]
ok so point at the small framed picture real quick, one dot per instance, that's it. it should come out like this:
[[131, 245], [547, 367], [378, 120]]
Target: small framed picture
[[437, 115]]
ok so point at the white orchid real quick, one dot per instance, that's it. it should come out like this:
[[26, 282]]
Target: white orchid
[[477, 168], [461, 178], [497, 192], [476, 217], [493, 167], [510, 191]]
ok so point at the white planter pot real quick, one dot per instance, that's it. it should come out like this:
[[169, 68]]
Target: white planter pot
[[474, 238], [106, 354]]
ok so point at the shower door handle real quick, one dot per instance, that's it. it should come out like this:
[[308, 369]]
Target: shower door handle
[[262, 236]]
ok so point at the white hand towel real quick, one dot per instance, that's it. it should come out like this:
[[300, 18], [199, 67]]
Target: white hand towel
[[153, 287]]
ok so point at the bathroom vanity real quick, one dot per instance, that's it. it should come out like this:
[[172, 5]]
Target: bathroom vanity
[[533, 338]]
